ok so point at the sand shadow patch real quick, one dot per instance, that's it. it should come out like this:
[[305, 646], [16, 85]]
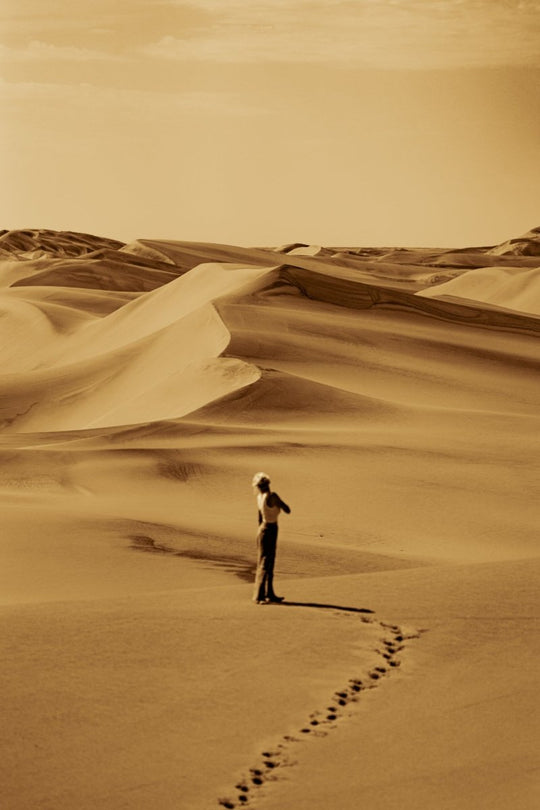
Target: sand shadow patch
[[233, 564], [324, 606]]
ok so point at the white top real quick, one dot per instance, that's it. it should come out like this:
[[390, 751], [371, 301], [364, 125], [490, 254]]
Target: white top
[[269, 513]]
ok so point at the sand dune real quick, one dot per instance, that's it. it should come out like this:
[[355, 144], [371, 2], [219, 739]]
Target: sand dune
[[137, 363], [29, 243], [526, 245], [392, 394], [510, 287], [102, 270]]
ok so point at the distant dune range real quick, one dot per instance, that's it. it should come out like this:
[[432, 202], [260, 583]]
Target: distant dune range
[[98, 359], [393, 396]]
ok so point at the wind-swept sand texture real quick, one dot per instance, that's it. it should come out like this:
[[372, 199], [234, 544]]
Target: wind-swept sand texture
[[392, 395]]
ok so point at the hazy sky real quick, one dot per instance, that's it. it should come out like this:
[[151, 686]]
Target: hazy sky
[[344, 122]]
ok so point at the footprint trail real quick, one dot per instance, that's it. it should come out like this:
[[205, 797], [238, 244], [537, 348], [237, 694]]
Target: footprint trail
[[320, 722]]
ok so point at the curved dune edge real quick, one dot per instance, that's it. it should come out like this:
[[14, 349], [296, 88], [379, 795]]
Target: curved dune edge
[[138, 363], [146, 251], [147, 381], [289, 401]]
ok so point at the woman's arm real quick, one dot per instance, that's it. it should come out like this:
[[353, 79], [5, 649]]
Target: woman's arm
[[276, 501]]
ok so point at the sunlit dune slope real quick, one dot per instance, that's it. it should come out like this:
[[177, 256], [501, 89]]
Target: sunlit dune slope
[[511, 287], [156, 357]]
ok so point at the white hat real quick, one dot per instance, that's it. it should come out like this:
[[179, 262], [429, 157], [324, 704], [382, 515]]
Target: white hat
[[259, 478]]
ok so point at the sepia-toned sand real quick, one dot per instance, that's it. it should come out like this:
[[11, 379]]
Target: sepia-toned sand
[[392, 396]]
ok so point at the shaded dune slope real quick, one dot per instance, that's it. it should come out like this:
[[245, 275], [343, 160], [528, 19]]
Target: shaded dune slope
[[34, 242], [103, 270], [336, 286]]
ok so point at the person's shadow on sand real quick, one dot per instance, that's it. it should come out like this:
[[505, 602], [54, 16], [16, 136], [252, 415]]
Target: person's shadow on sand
[[322, 606]]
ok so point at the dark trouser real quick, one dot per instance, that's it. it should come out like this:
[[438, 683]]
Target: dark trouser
[[266, 557]]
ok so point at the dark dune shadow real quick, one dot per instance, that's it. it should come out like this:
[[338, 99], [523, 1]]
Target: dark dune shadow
[[322, 606], [237, 565], [240, 567]]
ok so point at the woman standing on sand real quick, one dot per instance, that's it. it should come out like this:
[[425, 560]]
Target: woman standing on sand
[[269, 505]]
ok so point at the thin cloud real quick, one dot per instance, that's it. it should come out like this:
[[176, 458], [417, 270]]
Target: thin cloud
[[44, 51], [376, 33]]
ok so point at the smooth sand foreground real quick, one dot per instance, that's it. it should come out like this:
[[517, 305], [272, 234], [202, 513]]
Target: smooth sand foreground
[[392, 395]]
